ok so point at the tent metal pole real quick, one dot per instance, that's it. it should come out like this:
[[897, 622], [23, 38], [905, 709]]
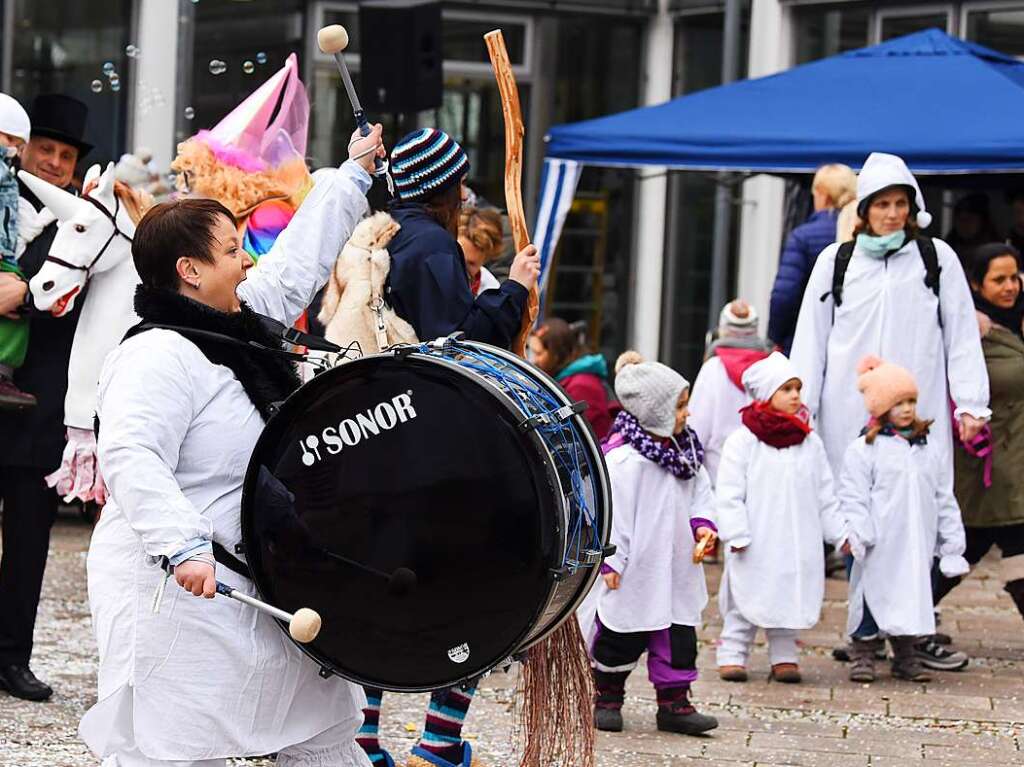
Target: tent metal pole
[[723, 192]]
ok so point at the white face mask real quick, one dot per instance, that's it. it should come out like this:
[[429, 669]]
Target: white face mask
[[10, 152]]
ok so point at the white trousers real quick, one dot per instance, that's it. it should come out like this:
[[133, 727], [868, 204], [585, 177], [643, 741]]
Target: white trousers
[[738, 634], [334, 747]]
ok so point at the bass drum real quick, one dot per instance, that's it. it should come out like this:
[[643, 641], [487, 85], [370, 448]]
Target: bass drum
[[442, 507]]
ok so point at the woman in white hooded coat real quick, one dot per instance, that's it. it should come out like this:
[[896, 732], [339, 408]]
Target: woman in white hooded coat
[[776, 504], [886, 309], [194, 681]]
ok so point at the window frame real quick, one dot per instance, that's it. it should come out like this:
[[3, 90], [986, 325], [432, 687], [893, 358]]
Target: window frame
[[879, 15], [470, 68], [974, 6]]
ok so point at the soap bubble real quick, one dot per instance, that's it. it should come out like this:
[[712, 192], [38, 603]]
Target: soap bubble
[[96, 86], [261, 58], [248, 67], [108, 67], [217, 67], [190, 113], [131, 51], [115, 79], [195, 2], [115, 85]]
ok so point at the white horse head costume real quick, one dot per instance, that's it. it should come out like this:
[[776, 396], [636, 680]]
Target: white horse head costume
[[94, 236], [93, 245]]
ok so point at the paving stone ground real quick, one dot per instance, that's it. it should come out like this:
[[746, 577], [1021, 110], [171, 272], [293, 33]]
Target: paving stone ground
[[974, 717]]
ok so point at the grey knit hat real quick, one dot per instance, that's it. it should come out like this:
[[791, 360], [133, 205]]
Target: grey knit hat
[[649, 391]]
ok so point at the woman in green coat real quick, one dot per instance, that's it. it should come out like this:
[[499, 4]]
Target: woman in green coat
[[990, 470]]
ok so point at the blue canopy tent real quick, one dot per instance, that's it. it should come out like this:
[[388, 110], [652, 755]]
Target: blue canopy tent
[[947, 106]]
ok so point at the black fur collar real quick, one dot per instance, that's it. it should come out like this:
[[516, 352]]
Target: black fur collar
[[266, 377]]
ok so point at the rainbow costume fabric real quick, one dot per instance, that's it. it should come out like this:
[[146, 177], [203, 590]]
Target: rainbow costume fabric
[[264, 225]]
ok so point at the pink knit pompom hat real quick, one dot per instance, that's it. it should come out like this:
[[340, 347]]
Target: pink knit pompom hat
[[883, 385]]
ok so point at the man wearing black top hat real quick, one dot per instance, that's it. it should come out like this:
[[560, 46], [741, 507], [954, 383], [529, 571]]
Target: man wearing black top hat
[[32, 440]]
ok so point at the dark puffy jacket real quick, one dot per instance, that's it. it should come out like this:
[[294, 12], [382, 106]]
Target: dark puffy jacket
[[798, 256], [429, 288]]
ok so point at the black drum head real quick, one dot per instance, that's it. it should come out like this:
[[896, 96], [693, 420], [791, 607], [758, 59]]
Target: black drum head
[[398, 498]]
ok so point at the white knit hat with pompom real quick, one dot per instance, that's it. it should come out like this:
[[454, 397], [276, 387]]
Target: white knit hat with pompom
[[649, 391]]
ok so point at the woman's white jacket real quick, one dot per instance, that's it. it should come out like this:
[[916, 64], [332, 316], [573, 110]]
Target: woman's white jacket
[[203, 679], [780, 504], [888, 311], [902, 514]]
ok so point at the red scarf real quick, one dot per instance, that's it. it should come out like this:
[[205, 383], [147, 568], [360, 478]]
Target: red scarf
[[776, 428], [474, 283]]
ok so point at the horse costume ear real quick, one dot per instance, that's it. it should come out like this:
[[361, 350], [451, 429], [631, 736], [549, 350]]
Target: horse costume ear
[[63, 205], [91, 175], [104, 191]]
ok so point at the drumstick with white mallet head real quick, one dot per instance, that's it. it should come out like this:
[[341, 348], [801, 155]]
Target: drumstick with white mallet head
[[303, 624], [333, 40]]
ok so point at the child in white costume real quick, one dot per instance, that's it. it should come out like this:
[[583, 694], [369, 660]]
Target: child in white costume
[[902, 514], [653, 593], [775, 505]]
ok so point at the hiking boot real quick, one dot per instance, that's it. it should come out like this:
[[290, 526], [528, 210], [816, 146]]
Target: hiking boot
[[905, 662], [933, 655], [787, 673], [843, 654], [13, 398], [677, 714], [862, 659], [608, 719], [609, 693], [732, 673]]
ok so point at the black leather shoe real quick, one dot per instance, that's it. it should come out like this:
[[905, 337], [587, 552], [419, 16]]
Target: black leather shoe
[[20, 682]]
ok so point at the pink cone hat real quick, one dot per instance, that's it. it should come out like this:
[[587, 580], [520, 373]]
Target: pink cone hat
[[247, 139]]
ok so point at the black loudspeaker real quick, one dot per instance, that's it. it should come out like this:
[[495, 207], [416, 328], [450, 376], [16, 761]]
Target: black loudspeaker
[[400, 55]]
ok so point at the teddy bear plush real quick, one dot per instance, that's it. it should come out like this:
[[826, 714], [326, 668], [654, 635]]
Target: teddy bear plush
[[353, 310]]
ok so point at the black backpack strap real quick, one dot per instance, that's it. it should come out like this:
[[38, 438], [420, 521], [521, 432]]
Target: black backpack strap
[[932, 270], [842, 262]]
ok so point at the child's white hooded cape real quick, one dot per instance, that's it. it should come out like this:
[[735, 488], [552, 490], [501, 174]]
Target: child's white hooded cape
[[902, 514]]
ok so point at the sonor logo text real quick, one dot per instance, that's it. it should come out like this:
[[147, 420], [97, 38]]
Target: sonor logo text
[[362, 426]]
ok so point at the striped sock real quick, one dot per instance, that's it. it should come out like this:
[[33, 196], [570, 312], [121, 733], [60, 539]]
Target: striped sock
[[442, 732], [368, 736]]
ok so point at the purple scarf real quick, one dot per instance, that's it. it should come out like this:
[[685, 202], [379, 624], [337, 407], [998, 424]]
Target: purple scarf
[[682, 456]]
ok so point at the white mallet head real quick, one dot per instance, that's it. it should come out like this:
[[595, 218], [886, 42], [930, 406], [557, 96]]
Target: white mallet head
[[304, 625], [332, 38]]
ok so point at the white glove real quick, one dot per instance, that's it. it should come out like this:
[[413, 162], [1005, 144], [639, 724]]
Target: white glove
[[952, 565], [79, 475]]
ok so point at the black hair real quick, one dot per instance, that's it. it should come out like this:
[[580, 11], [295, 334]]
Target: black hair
[[171, 230], [983, 255]]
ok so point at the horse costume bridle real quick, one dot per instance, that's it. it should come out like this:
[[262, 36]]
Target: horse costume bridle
[[112, 217]]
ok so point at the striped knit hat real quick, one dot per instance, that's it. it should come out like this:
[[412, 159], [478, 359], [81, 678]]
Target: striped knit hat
[[426, 162]]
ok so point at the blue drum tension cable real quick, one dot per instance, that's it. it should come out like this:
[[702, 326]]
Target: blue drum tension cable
[[546, 411]]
